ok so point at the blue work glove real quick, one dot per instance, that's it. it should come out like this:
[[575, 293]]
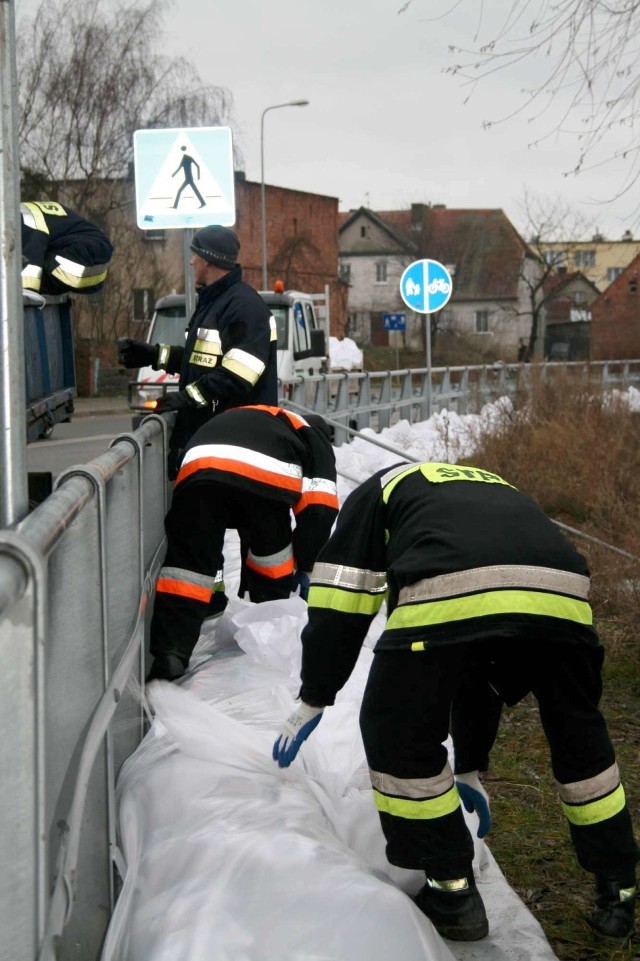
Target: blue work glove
[[295, 732], [475, 798], [302, 581]]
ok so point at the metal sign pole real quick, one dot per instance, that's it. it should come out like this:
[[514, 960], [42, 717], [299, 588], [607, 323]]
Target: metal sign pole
[[14, 498], [189, 288], [427, 335], [425, 287]]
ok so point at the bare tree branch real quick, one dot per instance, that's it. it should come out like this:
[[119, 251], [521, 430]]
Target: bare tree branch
[[587, 52]]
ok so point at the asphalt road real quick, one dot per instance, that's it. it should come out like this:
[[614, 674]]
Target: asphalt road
[[76, 443]]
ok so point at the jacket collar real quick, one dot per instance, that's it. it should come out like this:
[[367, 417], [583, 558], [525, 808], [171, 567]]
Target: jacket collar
[[213, 291]]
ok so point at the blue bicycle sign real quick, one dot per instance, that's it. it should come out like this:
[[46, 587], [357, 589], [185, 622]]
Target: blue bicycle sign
[[426, 286]]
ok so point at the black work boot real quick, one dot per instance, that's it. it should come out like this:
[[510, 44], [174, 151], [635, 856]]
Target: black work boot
[[165, 668], [455, 908], [613, 915]]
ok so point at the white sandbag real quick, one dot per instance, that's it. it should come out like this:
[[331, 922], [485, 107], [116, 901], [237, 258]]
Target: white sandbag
[[230, 857]]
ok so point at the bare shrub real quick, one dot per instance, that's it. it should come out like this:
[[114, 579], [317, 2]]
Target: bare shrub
[[577, 454]]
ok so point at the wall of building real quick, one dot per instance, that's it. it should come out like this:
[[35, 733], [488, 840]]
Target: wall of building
[[615, 318]]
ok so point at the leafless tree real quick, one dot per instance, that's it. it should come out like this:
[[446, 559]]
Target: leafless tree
[[90, 74], [551, 230], [586, 53]]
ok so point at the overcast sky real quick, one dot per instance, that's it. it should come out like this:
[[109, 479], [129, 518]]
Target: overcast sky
[[385, 126]]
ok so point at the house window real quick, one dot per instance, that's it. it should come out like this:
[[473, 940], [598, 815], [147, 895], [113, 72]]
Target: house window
[[612, 273], [143, 301], [345, 272], [585, 258], [363, 231], [154, 234], [579, 297], [482, 321], [381, 272], [555, 258]]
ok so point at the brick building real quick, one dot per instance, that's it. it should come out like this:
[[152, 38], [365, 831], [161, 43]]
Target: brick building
[[615, 317], [567, 306]]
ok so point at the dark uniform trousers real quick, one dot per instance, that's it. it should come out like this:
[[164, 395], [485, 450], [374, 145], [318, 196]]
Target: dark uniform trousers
[[403, 739], [196, 524]]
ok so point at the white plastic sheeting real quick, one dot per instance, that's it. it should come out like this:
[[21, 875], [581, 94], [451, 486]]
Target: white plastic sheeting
[[230, 858]]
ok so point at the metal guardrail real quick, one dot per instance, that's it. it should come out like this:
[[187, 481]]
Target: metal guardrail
[[378, 399], [75, 578]]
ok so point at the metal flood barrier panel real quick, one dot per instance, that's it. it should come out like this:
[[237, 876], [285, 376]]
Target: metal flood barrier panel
[[378, 399], [75, 578]]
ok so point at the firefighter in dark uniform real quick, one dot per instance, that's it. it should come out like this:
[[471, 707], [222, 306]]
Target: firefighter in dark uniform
[[229, 358], [246, 469], [61, 251], [481, 587]]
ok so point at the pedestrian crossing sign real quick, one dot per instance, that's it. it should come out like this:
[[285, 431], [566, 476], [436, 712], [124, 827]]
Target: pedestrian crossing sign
[[184, 177]]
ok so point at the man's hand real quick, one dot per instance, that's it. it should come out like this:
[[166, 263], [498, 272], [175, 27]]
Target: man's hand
[[136, 353], [175, 400], [295, 732], [475, 798], [302, 582]]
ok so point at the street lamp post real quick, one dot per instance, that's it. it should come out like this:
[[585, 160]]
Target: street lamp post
[[290, 103]]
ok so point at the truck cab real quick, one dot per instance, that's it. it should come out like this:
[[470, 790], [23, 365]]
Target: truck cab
[[302, 340]]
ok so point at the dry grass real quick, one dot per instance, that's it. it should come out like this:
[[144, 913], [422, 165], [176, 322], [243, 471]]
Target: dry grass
[[580, 459]]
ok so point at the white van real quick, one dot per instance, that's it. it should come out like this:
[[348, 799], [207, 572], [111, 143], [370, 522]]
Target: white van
[[303, 340]]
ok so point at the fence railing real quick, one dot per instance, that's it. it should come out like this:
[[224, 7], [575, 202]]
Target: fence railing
[[75, 578], [379, 398]]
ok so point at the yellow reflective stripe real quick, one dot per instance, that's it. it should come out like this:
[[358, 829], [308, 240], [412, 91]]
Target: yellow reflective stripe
[[195, 395], [163, 354], [347, 602], [392, 479], [31, 277], [438, 473], [356, 578], [425, 810], [32, 212], [273, 329], [198, 359], [51, 208], [78, 282], [244, 364], [595, 811], [488, 603], [80, 270]]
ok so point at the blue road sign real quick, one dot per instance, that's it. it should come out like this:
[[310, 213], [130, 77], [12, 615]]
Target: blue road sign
[[426, 286], [184, 177], [394, 321]]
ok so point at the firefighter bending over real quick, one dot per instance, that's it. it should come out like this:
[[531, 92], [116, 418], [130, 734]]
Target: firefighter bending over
[[61, 251], [481, 587], [246, 469]]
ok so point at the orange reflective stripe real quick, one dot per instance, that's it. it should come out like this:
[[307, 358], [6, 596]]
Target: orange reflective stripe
[[197, 593], [280, 570], [315, 497], [272, 478]]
